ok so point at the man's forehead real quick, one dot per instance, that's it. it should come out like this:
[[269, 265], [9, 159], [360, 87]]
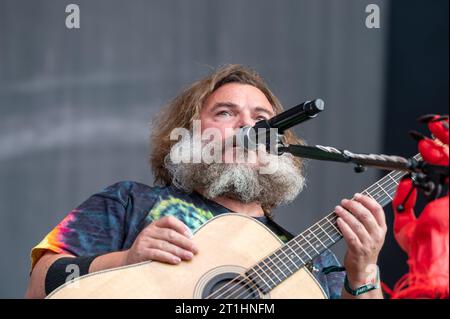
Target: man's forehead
[[236, 95]]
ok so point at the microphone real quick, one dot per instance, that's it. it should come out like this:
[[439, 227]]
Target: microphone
[[267, 131]]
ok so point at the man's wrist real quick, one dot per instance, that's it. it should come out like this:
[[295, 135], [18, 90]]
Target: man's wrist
[[357, 280], [362, 274], [359, 284], [125, 261]]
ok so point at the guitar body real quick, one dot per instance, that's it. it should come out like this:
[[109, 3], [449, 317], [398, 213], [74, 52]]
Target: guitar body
[[228, 245]]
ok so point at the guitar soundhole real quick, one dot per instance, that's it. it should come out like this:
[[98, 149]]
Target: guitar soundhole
[[228, 286]]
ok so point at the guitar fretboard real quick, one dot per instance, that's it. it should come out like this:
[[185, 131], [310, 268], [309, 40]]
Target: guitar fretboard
[[302, 249]]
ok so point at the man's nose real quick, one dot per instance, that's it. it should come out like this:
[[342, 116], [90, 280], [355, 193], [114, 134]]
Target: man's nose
[[245, 120]]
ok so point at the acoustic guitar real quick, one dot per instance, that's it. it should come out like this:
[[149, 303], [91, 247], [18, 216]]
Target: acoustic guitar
[[238, 258]]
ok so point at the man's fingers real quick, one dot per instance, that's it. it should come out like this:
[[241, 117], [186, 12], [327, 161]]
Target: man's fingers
[[350, 237], [175, 238], [175, 224], [161, 256], [373, 206], [356, 226], [362, 214], [170, 248]]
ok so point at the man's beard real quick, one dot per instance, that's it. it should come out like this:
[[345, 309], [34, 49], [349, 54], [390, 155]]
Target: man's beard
[[242, 182]]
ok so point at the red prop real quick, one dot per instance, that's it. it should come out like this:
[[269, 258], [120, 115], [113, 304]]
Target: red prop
[[425, 238]]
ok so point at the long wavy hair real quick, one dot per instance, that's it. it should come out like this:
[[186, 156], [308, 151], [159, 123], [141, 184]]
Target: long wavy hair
[[186, 107]]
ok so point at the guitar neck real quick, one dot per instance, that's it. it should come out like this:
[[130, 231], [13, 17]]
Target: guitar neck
[[312, 242]]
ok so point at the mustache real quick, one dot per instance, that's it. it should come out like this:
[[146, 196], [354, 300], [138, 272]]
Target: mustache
[[232, 142]]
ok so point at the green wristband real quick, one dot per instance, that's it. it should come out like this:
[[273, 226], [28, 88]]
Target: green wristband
[[362, 289]]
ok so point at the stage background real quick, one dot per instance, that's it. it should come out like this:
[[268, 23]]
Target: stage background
[[75, 105]]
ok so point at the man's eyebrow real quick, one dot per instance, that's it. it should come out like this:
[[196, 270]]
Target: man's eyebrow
[[264, 110], [224, 104]]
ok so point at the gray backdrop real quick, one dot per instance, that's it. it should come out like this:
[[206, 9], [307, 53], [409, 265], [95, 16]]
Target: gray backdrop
[[75, 104]]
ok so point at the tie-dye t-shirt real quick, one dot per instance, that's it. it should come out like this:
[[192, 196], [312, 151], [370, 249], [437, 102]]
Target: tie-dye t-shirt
[[111, 219]]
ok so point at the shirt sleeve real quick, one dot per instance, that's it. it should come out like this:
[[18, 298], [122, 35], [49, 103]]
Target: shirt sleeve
[[94, 227], [332, 282]]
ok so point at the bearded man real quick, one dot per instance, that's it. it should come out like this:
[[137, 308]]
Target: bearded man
[[130, 222]]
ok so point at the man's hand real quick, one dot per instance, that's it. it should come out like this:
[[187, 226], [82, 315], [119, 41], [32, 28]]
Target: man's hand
[[166, 240], [363, 225]]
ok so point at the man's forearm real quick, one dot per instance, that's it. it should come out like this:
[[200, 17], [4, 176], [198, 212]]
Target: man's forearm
[[36, 284], [36, 287], [108, 261]]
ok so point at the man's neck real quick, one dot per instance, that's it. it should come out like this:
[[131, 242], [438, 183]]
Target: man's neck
[[253, 209]]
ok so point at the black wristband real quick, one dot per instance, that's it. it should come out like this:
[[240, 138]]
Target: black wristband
[[62, 268]]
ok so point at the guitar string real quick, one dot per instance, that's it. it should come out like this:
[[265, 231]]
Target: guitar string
[[324, 237], [302, 241], [375, 186], [322, 240], [393, 183], [249, 290], [325, 242], [246, 288]]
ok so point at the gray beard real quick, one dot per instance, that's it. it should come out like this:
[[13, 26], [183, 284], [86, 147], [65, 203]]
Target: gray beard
[[238, 181]]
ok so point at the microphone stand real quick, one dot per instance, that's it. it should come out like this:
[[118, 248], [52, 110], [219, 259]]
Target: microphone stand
[[431, 178]]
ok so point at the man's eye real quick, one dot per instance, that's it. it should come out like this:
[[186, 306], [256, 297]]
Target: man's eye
[[261, 118], [224, 113]]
